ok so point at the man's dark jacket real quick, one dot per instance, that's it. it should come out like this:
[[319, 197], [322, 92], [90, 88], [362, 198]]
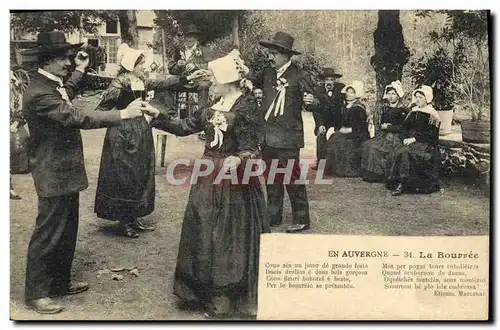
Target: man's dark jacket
[[284, 131], [56, 158], [328, 111]]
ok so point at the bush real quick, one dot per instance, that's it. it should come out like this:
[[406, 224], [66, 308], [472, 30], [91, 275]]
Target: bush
[[436, 71]]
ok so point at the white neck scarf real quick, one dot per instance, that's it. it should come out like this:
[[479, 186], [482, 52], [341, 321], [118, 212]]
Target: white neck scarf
[[58, 80], [188, 52], [428, 109], [51, 77], [282, 70]]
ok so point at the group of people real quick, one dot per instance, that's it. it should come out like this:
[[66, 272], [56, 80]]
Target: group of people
[[217, 264], [403, 154]]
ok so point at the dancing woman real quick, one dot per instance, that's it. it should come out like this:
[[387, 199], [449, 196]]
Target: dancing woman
[[126, 185], [217, 263]]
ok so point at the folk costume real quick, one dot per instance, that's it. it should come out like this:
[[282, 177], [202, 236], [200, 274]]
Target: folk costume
[[58, 171], [283, 131], [197, 55], [328, 110], [344, 149], [217, 263], [416, 165], [378, 152], [126, 184]]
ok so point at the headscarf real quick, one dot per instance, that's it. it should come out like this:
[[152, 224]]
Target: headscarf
[[127, 57], [397, 86], [429, 109], [229, 68], [358, 86]]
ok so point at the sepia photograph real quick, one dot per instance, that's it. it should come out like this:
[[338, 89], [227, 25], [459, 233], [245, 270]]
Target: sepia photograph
[[223, 164]]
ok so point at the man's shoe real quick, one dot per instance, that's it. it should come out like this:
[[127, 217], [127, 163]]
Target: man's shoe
[[73, 288], [297, 228], [44, 306], [141, 226], [13, 195]]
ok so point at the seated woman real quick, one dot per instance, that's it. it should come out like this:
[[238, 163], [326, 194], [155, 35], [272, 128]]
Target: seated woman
[[217, 263], [378, 153], [416, 163], [344, 146]]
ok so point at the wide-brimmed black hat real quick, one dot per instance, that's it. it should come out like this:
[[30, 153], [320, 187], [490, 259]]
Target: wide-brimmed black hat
[[51, 42], [329, 72], [191, 29], [282, 41]]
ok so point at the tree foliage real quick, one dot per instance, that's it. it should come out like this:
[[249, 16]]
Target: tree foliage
[[68, 21], [471, 24], [457, 69], [62, 20], [214, 23]]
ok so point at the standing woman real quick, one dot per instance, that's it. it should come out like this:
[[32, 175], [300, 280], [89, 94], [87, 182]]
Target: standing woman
[[344, 146], [126, 185], [378, 153], [217, 264], [416, 165]]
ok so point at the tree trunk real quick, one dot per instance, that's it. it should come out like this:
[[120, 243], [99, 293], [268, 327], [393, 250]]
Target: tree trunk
[[391, 55], [336, 25], [311, 38], [128, 27], [344, 43], [235, 31], [351, 46]]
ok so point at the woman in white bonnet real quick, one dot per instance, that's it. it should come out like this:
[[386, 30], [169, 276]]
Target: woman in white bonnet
[[378, 153], [344, 146], [217, 264], [417, 162], [126, 185]]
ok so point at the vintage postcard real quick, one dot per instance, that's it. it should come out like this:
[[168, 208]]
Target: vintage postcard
[[250, 165]]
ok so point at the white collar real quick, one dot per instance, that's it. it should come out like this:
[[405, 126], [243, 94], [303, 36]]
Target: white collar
[[51, 76], [225, 104], [429, 109], [282, 70]]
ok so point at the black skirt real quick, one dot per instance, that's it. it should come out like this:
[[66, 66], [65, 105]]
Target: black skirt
[[219, 245], [378, 156], [126, 185]]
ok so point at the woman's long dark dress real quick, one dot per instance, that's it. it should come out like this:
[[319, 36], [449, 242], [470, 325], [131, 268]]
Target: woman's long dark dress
[[126, 185], [344, 150], [416, 165], [219, 245], [378, 153]]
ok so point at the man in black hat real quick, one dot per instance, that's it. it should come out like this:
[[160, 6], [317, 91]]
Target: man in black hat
[[327, 112], [58, 167], [191, 57], [287, 89]]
